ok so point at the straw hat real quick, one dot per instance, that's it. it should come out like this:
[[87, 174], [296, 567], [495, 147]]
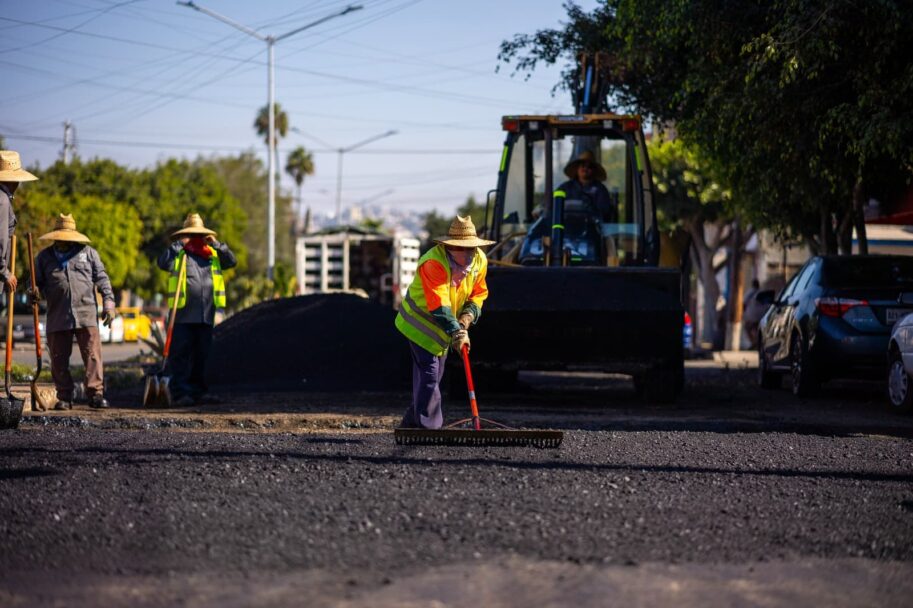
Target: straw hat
[[462, 233], [65, 230], [585, 157], [11, 168], [193, 225]]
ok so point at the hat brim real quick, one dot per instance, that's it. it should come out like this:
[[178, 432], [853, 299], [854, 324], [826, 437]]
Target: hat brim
[[65, 235], [570, 170], [17, 175], [472, 241], [194, 232]]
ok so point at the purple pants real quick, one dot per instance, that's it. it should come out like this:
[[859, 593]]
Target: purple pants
[[427, 371]]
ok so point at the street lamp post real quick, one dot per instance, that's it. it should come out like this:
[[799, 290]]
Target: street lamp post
[[342, 151], [271, 138]]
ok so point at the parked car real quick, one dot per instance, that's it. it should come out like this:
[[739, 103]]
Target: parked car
[[136, 324], [900, 362], [833, 320], [23, 321]]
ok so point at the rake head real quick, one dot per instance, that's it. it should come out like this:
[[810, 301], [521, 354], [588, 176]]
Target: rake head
[[10, 412], [480, 438], [157, 392]]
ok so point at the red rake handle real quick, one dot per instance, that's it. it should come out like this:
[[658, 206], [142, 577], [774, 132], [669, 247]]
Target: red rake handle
[[473, 405]]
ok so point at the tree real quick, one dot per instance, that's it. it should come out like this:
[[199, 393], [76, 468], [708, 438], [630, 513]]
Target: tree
[[298, 165], [803, 106], [261, 123]]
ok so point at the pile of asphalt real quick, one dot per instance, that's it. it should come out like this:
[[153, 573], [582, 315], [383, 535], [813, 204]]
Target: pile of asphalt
[[321, 342]]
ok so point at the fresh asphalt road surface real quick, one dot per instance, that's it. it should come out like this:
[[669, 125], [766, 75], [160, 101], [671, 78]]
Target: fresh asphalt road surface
[[24, 352], [642, 518]]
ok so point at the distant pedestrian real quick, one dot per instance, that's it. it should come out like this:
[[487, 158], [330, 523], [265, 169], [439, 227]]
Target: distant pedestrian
[[202, 295], [443, 301], [67, 274], [11, 175]]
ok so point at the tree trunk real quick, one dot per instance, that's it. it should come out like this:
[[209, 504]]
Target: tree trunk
[[734, 327], [707, 277], [859, 200]]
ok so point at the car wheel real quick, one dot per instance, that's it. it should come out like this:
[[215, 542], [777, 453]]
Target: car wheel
[[900, 385], [767, 379], [805, 383]]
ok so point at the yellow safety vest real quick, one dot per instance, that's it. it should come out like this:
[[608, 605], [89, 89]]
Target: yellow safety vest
[[415, 322], [218, 282]]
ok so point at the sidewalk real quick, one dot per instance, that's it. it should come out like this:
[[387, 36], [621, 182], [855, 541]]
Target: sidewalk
[[732, 359]]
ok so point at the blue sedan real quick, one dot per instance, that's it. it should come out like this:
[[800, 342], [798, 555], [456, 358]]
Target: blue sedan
[[833, 320]]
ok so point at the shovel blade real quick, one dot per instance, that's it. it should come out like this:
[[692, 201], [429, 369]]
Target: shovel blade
[[10, 412], [165, 392], [151, 391]]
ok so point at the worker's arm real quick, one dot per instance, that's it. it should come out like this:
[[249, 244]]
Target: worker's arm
[[166, 260], [478, 295], [4, 236], [101, 280], [226, 256], [437, 295]]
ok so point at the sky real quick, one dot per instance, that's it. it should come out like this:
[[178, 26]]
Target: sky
[[146, 80]]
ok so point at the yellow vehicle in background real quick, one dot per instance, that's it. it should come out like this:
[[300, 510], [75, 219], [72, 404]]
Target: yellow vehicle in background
[[136, 324]]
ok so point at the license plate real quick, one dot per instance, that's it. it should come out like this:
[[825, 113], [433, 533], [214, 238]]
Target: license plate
[[893, 315]]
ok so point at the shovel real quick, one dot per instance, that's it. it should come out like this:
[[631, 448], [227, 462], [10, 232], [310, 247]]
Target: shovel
[[157, 392], [10, 407], [38, 403]]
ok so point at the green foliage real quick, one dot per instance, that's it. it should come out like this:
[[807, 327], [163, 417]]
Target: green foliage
[[686, 191], [285, 283], [437, 225], [793, 102], [245, 291], [115, 229], [299, 165]]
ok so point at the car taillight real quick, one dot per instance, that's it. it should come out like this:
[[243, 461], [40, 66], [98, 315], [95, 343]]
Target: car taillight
[[837, 307], [687, 318]]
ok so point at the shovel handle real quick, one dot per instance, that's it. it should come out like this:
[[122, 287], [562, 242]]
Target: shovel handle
[[473, 405], [36, 316], [9, 311], [182, 274]]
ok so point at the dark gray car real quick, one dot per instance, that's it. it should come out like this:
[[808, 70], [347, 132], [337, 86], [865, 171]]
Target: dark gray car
[[833, 320]]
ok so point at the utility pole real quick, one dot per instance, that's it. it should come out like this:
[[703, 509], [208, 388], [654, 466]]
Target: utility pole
[[271, 96], [69, 142], [342, 151]]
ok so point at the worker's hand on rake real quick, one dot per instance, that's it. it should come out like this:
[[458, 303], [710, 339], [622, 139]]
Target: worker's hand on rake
[[458, 339], [109, 315], [34, 296], [11, 282], [465, 320]]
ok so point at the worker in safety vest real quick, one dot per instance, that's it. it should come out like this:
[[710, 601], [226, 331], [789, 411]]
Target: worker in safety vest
[[444, 299], [202, 295]]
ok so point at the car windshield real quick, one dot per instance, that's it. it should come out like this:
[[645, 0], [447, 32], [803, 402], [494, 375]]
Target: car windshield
[[869, 272]]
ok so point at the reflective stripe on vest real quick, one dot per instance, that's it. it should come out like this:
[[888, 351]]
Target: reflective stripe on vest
[[218, 282], [415, 322]]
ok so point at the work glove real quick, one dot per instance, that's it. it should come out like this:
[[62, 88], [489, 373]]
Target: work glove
[[458, 339], [108, 316], [465, 320], [34, 296]]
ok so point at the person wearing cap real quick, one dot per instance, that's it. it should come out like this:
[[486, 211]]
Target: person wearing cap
[[443, 301], [11, 175], [67, 274], [585, 184], [202, 294]]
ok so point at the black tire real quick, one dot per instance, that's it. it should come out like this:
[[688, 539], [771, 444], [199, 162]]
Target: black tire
[[900, 385], [660, 386], [805, 382], [767, 379]]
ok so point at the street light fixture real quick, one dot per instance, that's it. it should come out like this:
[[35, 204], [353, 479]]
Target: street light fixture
[[270, 43], [342, 151]]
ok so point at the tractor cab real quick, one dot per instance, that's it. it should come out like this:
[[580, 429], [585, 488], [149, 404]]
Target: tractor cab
[[542, 218]]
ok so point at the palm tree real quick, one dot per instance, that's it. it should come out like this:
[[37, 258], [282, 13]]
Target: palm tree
[[261, 124], [299, 164]]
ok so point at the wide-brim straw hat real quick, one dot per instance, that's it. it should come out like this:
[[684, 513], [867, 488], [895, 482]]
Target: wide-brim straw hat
[[462, 233], [11, 168], [65, 230], [586, 157], [193, 225]]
